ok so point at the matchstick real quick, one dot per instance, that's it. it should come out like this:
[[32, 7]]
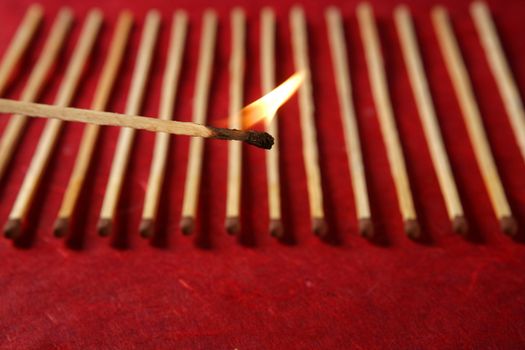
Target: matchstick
[[52, 129], [507, 86], [126, 136], [351, 132], [200, 104], [377, 76], [268, 83], [162, 140], [38, 77], [19, 44], [107, 79], [425, 106], [306, 113], [472, 117], [259, 139], [237, 65]]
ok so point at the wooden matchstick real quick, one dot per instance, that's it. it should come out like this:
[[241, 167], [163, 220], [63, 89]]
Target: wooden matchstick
[[52, 129], [351, 132], [499, 66], [19, 44], [162, 140], [472, 117], [268, 83], [306, 112], [377, 76], [38, 77], [200, 103], [126, 136], [256, 138], [416, 74], [100, 100], [237, 65]]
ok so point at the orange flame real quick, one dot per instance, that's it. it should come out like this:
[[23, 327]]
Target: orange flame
[[265, 107]]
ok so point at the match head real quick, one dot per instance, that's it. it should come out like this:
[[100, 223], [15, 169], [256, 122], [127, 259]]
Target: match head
[[232, 225], [187, 225], [508, 225], [276, 228], [366, 228], [104, 227], [460, 225], [61, 227], [412, 228], [259, 139], [319, 227], [146, 228], [13, 228]]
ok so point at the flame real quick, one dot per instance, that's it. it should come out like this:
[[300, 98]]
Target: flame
[[265, 107]]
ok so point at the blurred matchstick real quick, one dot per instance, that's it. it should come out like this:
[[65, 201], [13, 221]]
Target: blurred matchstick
[[472, 117], [117, 48], [377, 76], [52, 129], [416, 74]]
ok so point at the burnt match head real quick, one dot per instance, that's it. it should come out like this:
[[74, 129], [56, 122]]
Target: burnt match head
[[260, 139]]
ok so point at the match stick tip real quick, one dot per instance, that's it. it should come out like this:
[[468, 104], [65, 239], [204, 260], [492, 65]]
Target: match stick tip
[[61, 227], [459, 224], [319, 227], [260, 139], [366, 228], [276, 228], [146, 228], [232, 225], [104, 227], [508, 225], [187, 225], [412, 228], [13, 228]]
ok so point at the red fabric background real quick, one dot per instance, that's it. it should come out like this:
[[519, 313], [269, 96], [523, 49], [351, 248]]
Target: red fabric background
[[253, 292]]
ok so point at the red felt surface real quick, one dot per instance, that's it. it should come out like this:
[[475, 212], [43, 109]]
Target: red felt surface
[[252, 292]]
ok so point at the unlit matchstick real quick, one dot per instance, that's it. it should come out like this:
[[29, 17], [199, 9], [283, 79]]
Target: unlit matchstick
[[200, 104], [19, 44], [499, 66], [52, 129], [162, 140], [105, 85], [418, 81], [267, 52], [237, 65], [38, 77], [306, 109], [377, 76], [472, 117], [351, 132]]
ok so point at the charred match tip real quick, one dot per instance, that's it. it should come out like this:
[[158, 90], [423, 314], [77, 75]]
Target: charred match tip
[[187, 225], [104, 227], [146, 228], [508, 225], [460, 225], [232, 225], [276, 228], [412, 228], [319, 227], [260, 139], [366, 228], [61, 227], [13, 228]]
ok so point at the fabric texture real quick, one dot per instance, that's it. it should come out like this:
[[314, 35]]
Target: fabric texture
[[214, 291]]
